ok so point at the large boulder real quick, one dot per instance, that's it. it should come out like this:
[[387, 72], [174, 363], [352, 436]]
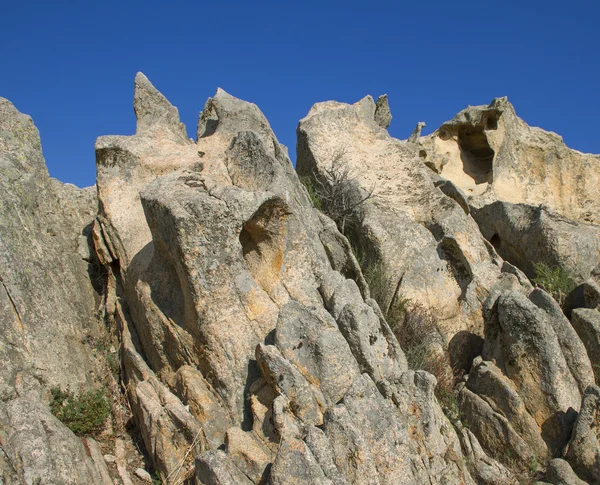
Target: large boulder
[[525, 235], [532, 347], [583, 450]]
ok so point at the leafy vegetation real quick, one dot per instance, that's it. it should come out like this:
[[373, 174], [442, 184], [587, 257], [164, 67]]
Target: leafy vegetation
[[554, 280], [85, 413]]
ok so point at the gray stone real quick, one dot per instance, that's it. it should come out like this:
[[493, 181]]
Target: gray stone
[[40, 449], [492, 154], [247, 454], [374, 346], [572, 346], [586, 323], [583, 450], [216, 468], [383, 115], [525, 235], [489, 384], [154, 112], [519, 337], [559, 472], [315, 346], [416, 133], [287, 380], [486, 470], [143, 475], [295, 465]]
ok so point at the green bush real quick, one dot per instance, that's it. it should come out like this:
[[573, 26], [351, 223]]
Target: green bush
[[84, 413], [378, 283], [554, 280]]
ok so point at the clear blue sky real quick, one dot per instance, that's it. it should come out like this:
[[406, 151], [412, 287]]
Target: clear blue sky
[[70, 65]]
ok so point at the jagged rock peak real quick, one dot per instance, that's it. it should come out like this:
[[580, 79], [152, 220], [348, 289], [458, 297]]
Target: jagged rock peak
[[153, 111], [228, 114], [16, 129], [485, 116], [383, 115]]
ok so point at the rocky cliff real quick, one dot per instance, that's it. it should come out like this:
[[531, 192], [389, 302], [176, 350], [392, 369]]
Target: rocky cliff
[[420, 311]]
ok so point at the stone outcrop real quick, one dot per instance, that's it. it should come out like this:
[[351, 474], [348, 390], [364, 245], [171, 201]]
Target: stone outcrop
[[48, 277], [233, 309], [262, 342], [492, 154], [431, 251], [525, 235]]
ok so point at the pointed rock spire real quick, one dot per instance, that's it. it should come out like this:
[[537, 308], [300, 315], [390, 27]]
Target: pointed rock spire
[[153, 111], [383, 115], [228, 114], [16, 129]]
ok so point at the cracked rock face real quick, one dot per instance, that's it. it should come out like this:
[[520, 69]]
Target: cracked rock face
[[255, 344], [47, 307]]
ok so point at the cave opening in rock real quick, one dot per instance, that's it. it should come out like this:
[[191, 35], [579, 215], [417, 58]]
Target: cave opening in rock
[[495, 241], [476, 153], [262, 239]]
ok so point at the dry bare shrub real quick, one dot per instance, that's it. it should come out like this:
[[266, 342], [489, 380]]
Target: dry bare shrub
[[336, 191], [417, 331]]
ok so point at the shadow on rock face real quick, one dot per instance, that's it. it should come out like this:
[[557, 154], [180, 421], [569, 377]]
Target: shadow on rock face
[[556, 430], [463, 348]]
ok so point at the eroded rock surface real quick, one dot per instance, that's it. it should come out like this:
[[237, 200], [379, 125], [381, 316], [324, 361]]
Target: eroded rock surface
[[253, 347], [489, 152]]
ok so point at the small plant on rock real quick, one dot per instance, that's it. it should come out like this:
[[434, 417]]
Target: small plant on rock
[[85, 413], [554, 280], [335, 190]]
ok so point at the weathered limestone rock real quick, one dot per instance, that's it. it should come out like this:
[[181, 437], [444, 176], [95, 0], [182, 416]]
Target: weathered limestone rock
[[252, 351], [524, 235], [295, 465], [46, 298], [320, 448], [583, 450], [485, 469], [586, 323], [416, 133], [493, 430], [154, 113], [489, 384], [375, 441], [489, 152], [47, 303], [37, 448], [204, 404], [216, 468], [572, 347], [287, 380], [315, 346], [522, 342], [559, 472], [171, 434], [247, 454], [429, 249], [371, 340]]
